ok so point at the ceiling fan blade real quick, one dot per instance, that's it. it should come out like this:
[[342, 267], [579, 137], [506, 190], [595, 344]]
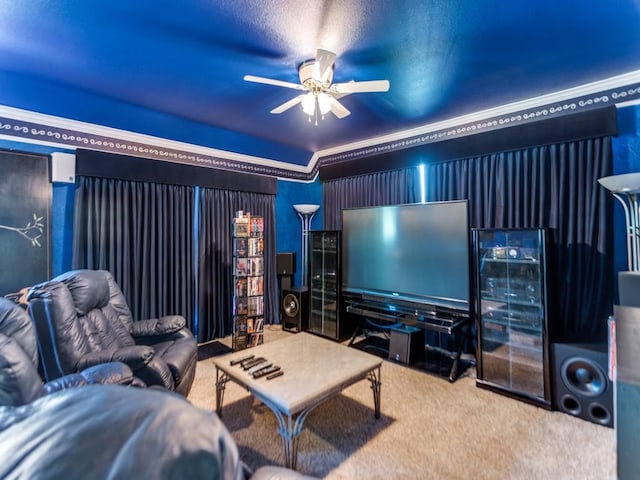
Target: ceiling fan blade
[[322, 67], [359, 87], [271, 81], [287, 105], [338, 109]]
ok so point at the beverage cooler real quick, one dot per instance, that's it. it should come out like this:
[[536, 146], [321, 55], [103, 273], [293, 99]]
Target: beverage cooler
[[511, 306]]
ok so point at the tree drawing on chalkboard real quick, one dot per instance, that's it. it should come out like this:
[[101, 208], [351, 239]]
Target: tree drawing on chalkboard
[[32, 231], [25, 221]]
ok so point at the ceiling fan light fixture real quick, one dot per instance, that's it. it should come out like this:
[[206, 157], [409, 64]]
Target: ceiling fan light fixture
[[316, 78], [309, 104], [324, 103]]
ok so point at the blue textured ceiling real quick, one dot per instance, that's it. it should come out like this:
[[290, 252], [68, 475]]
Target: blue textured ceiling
[[174, 69]]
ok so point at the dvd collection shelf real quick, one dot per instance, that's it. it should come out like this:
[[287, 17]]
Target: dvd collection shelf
[[248, 280], [511, 282]]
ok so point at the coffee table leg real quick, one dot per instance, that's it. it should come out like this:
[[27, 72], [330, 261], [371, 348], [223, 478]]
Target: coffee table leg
[[375, 386], [290, 427], [221, 382]]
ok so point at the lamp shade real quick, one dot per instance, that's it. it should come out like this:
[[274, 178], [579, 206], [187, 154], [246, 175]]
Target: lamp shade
[[306, 208], [625, 183]]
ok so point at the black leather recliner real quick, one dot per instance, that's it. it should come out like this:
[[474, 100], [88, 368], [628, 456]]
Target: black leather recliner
[[110, 431], [58, 431], [82, 319], [20, 382]]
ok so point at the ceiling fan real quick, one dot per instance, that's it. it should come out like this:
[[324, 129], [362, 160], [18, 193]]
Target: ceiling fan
[[322, 96]]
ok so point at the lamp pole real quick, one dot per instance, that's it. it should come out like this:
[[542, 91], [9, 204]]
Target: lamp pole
[[306, 213]]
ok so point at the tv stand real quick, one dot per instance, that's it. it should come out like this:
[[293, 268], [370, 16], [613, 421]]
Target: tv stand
[[438, 319]]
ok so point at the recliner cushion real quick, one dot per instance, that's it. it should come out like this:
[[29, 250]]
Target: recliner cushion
[[178, 355], [16, 323], [20, 382], [89, 290], [110, 431], [158, 326]]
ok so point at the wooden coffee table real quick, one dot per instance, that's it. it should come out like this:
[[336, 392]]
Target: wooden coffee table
[[314, 369]]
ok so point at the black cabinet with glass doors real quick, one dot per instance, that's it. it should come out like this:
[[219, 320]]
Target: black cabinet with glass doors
[[324, 284], [512, 305]]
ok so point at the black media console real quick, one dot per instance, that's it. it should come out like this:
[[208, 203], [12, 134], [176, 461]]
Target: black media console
[[442, 320]]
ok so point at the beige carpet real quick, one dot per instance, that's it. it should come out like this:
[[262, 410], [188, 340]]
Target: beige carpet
[[429, 429]]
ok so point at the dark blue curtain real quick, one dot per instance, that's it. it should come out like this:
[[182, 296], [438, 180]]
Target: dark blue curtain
[[215, 275], [553, 187], [143, 234], [381, 188]]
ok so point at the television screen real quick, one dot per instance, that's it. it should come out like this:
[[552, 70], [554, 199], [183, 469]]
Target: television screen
[[416, 253]]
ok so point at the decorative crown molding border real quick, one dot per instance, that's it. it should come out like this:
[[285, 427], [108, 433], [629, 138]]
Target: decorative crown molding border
[[614, 91], [70, 134]]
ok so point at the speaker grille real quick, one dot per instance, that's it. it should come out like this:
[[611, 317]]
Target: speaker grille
[[294, 309], [580, 383], [290, 305], [583, 376]]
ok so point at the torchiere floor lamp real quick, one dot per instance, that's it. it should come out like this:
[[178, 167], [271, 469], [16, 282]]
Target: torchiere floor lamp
[[306, 213]]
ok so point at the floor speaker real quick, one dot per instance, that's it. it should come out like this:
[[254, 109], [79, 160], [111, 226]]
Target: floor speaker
[[295, 309], [580, 384], [406, 344]]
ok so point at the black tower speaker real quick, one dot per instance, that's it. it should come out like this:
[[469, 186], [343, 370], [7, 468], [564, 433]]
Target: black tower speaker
[[295, 309], [581, 386]]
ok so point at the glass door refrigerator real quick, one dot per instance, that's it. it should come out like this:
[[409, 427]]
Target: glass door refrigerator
[[511, 311]]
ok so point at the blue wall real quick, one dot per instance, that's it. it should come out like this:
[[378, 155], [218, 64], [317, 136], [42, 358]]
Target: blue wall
[[626, 159], [288, 224]]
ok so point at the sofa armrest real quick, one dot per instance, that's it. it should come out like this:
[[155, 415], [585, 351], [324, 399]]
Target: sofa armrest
[[135, 356], [68, 381], [154, 327], [116, 373]]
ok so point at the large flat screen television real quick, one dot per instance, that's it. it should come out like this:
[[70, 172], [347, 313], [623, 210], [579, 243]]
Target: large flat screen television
[[418, 253]]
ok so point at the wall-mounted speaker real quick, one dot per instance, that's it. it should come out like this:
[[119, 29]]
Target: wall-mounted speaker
[[63, 167], [295, 309], [580, 384]]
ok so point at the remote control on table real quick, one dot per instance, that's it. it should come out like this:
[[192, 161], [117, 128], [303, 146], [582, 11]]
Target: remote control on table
[[253, 363], [240, 360], [276, 374], [259, 368], [266, 371]]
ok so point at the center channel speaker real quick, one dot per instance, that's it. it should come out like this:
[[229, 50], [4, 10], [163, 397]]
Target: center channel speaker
[[295, 309], [581, 386]]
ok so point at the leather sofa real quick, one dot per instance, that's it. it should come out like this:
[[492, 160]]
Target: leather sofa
[[112, 431], [77, 426], [82, 319], [20, 381]]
